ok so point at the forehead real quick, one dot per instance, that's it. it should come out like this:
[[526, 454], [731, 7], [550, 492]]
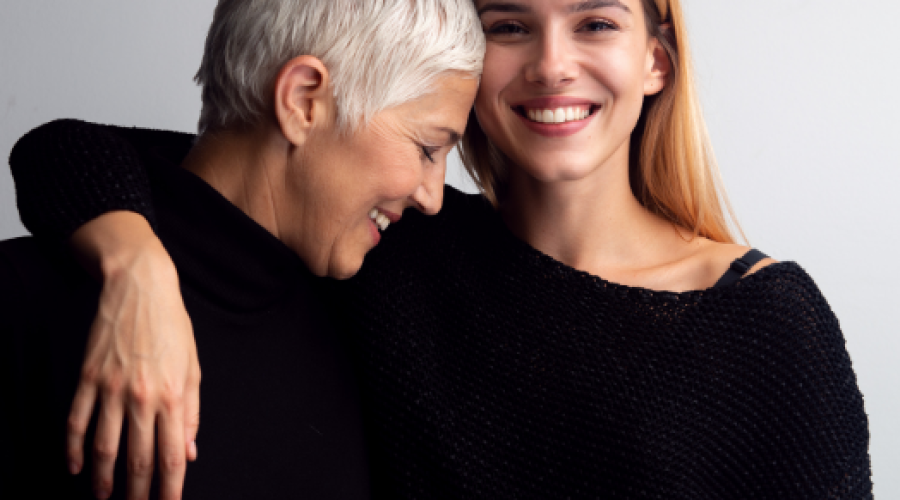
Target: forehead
[[445, 106], [449, 92]]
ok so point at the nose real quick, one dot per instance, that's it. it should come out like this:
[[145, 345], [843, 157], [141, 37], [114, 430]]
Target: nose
[[553, 65], [429, 195]]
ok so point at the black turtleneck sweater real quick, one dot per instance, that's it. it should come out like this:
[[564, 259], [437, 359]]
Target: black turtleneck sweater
[[490, 370], [281, 415]]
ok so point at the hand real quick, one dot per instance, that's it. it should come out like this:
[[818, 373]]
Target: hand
[[140, 362]]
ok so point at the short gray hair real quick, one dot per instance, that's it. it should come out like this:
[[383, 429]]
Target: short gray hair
[[379, 53]]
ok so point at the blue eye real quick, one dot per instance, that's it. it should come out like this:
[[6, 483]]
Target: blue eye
[[598, 26]]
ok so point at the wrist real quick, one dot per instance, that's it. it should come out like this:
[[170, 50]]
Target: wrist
[[120, 242]]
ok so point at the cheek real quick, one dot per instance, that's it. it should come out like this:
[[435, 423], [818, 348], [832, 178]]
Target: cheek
[[621, 71], [501, 68], [499, 65], [394, 174], [490, 112]]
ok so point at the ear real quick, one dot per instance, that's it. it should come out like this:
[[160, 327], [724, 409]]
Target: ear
[[303, 100], [659, 66]]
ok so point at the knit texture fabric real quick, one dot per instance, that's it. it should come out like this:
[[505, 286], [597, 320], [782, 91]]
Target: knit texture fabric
[[494, 371], [490, 370], [282, 414], [67, 157]]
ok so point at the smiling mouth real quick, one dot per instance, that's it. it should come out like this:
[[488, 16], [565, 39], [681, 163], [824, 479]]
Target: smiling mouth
[[563, 114], [381, 221]]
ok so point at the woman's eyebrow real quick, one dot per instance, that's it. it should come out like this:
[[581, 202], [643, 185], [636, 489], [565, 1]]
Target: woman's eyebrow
[[597, 4], [574, 8], [452, 136]]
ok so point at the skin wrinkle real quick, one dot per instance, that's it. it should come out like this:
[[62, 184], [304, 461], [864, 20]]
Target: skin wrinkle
[[452, 136], [245, 189], [271, 199]]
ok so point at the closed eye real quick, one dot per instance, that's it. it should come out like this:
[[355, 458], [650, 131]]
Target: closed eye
[[429, 152]]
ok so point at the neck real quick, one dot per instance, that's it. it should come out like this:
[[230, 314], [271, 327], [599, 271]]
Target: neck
[[594, 224], [242, 166]]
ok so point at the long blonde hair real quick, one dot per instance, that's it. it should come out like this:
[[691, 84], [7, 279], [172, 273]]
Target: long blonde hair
[[673, 170]]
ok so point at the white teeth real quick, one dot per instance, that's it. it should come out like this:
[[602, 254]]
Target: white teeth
[[382, 221], [558, 115], [379, 219]]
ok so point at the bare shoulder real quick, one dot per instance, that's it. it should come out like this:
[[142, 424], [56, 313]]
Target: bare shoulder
[[716, 258]]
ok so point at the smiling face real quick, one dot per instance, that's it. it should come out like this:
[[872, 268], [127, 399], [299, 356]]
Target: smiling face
[[564, 82], [342, 191]]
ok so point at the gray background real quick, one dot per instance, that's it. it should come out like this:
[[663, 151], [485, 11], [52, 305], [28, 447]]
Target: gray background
[[800, 96]]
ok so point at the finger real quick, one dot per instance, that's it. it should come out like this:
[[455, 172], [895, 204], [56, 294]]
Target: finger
[[172, 463], [141, 427], [106, 444], [79, 418], [191, 453], [192, 420]]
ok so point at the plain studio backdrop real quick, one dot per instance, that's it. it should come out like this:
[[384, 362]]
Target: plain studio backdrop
[[800, 98]]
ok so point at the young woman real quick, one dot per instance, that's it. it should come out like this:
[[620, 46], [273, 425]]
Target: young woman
[[588, 328]]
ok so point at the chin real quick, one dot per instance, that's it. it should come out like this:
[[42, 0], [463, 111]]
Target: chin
[[344, 272], [557, 170], [345, 269]]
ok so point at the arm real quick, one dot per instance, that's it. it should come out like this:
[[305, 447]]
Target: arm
[[822, 417], [841, 419], [11, 307], [68, 172], [85, 182]]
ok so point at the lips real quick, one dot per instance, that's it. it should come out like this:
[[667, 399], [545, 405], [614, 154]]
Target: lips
[[554, 102], [382, 218], [390, 215], [556, 116], [555, 110]]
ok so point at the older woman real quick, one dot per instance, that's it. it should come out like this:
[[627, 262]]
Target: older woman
[[303, 152]]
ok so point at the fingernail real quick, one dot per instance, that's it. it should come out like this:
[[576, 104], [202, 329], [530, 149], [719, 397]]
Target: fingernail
[[73, 467]]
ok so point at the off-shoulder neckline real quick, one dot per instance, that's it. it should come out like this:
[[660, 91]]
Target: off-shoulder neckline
[[761, 276]]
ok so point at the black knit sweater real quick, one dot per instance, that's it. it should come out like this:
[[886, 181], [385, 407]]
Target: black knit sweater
[[490, 370], [282, 414]]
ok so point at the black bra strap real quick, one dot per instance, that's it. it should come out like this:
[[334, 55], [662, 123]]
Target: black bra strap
[[740, 267]]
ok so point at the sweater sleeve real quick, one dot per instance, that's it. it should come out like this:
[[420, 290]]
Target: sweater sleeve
[[68, 172], [11, 306], [820, 410]]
